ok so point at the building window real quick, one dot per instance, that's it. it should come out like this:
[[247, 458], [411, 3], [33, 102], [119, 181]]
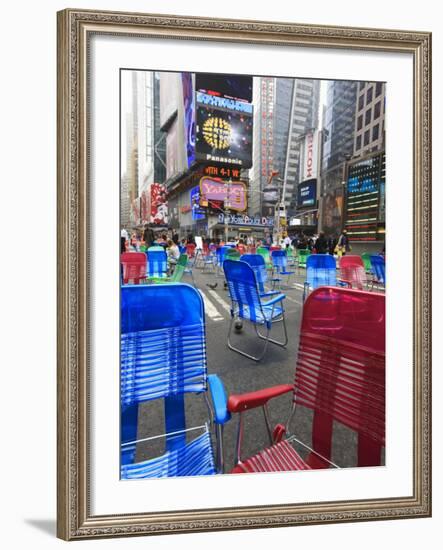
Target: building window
[[359, 122], [368, 117], [375, 131], [377, 109], [361, 101], [358, 142], [366, 140], [361, 86], [378, 88], [369, 95]]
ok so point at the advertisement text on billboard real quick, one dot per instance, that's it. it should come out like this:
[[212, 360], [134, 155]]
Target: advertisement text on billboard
[[232, 195], [223, 137]]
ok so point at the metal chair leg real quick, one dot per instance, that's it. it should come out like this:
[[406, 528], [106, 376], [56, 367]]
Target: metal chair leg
[[241, 352], [276, 342]]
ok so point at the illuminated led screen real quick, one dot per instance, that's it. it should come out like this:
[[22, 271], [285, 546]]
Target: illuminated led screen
[[223, 137]]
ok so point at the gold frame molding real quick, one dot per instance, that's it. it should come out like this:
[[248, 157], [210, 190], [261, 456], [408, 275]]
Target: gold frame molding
[[75, 28]]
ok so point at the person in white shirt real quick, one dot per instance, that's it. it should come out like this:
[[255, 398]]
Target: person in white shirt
[[173, 253], [287, 241]]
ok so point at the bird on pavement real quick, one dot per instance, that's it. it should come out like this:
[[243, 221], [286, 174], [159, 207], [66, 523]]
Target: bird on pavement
[[212, 286]]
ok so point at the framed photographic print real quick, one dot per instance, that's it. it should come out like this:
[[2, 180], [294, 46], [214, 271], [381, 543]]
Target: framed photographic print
[[232, 351]]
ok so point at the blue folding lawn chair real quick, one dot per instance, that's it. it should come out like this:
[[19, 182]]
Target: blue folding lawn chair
[[280, 264], [321, 270], [246, 303], [378, 270], [221, 256], [258, 264], [157, 263], [163, 356]]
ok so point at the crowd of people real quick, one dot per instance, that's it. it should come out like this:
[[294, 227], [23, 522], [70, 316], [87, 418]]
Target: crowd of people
[[170, 240]]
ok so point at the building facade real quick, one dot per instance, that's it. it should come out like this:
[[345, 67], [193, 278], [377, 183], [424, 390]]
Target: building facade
[[337, 149], [285, 109], [369, 134]]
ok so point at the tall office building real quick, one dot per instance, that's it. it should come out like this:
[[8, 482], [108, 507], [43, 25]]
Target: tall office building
[[285, 109], [338, 147], [304, 117], [366, 181], [158, 136], [369, 135]]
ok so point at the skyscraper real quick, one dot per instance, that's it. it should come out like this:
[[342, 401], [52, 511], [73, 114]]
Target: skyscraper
[[285, 109], [370, 118], [304, 117], [338, 147]]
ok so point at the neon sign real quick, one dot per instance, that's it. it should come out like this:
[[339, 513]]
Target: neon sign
[[224, 103], [232, 195]]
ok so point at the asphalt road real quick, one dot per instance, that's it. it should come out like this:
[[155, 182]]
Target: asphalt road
[[240, 374]]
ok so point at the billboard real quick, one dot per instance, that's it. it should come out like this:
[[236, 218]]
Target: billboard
[[225, 85], [169, 86], [189, 116], [365, 182], [172, 153], [223, 137], [134, 214], [198, 213], [158, 204], [232, 196], [307, 193], [310, 150]]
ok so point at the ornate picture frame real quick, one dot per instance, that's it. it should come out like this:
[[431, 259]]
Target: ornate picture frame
[[75, 29]]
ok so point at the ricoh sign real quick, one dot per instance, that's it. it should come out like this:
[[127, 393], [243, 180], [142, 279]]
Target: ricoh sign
[[310, 156]]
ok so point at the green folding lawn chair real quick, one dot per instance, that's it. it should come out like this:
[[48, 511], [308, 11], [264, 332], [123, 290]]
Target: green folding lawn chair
[[290, 256], [264, 252], [232, 254], [178, 272], [366, 257], [302, 256]]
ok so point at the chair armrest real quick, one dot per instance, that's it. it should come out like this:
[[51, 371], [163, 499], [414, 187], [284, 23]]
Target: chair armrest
[[251, 400], [273, 301], [219, 401]]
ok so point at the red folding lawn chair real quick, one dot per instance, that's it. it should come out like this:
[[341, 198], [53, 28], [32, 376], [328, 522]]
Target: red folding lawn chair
[[340, 376], [353, 272], [133, 267]]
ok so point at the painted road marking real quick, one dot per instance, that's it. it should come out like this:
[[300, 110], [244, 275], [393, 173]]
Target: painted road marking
[[210, 309], [293, 300], [220, 301]]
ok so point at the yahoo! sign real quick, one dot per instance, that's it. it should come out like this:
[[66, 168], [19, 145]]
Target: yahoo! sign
[[233, 195]]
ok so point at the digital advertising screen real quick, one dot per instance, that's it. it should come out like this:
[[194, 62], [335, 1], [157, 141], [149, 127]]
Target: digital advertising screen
[[223, 137], [364, 183], [307, 193], [198, 213], [225, 85]]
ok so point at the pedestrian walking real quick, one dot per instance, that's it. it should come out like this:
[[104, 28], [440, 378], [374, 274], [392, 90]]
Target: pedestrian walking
[[148, 236], [287, 241], [321, 244], [343, 245], [173, 253]]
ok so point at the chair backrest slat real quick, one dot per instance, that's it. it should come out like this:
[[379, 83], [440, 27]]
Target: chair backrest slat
[[163, 349], [243, 287], [340, 371], [257, 263], [352, 269], [157, 263], [134, 266], [321, 270], [378, 268]]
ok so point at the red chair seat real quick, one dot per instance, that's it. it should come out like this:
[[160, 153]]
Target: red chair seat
[[281, 457]]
